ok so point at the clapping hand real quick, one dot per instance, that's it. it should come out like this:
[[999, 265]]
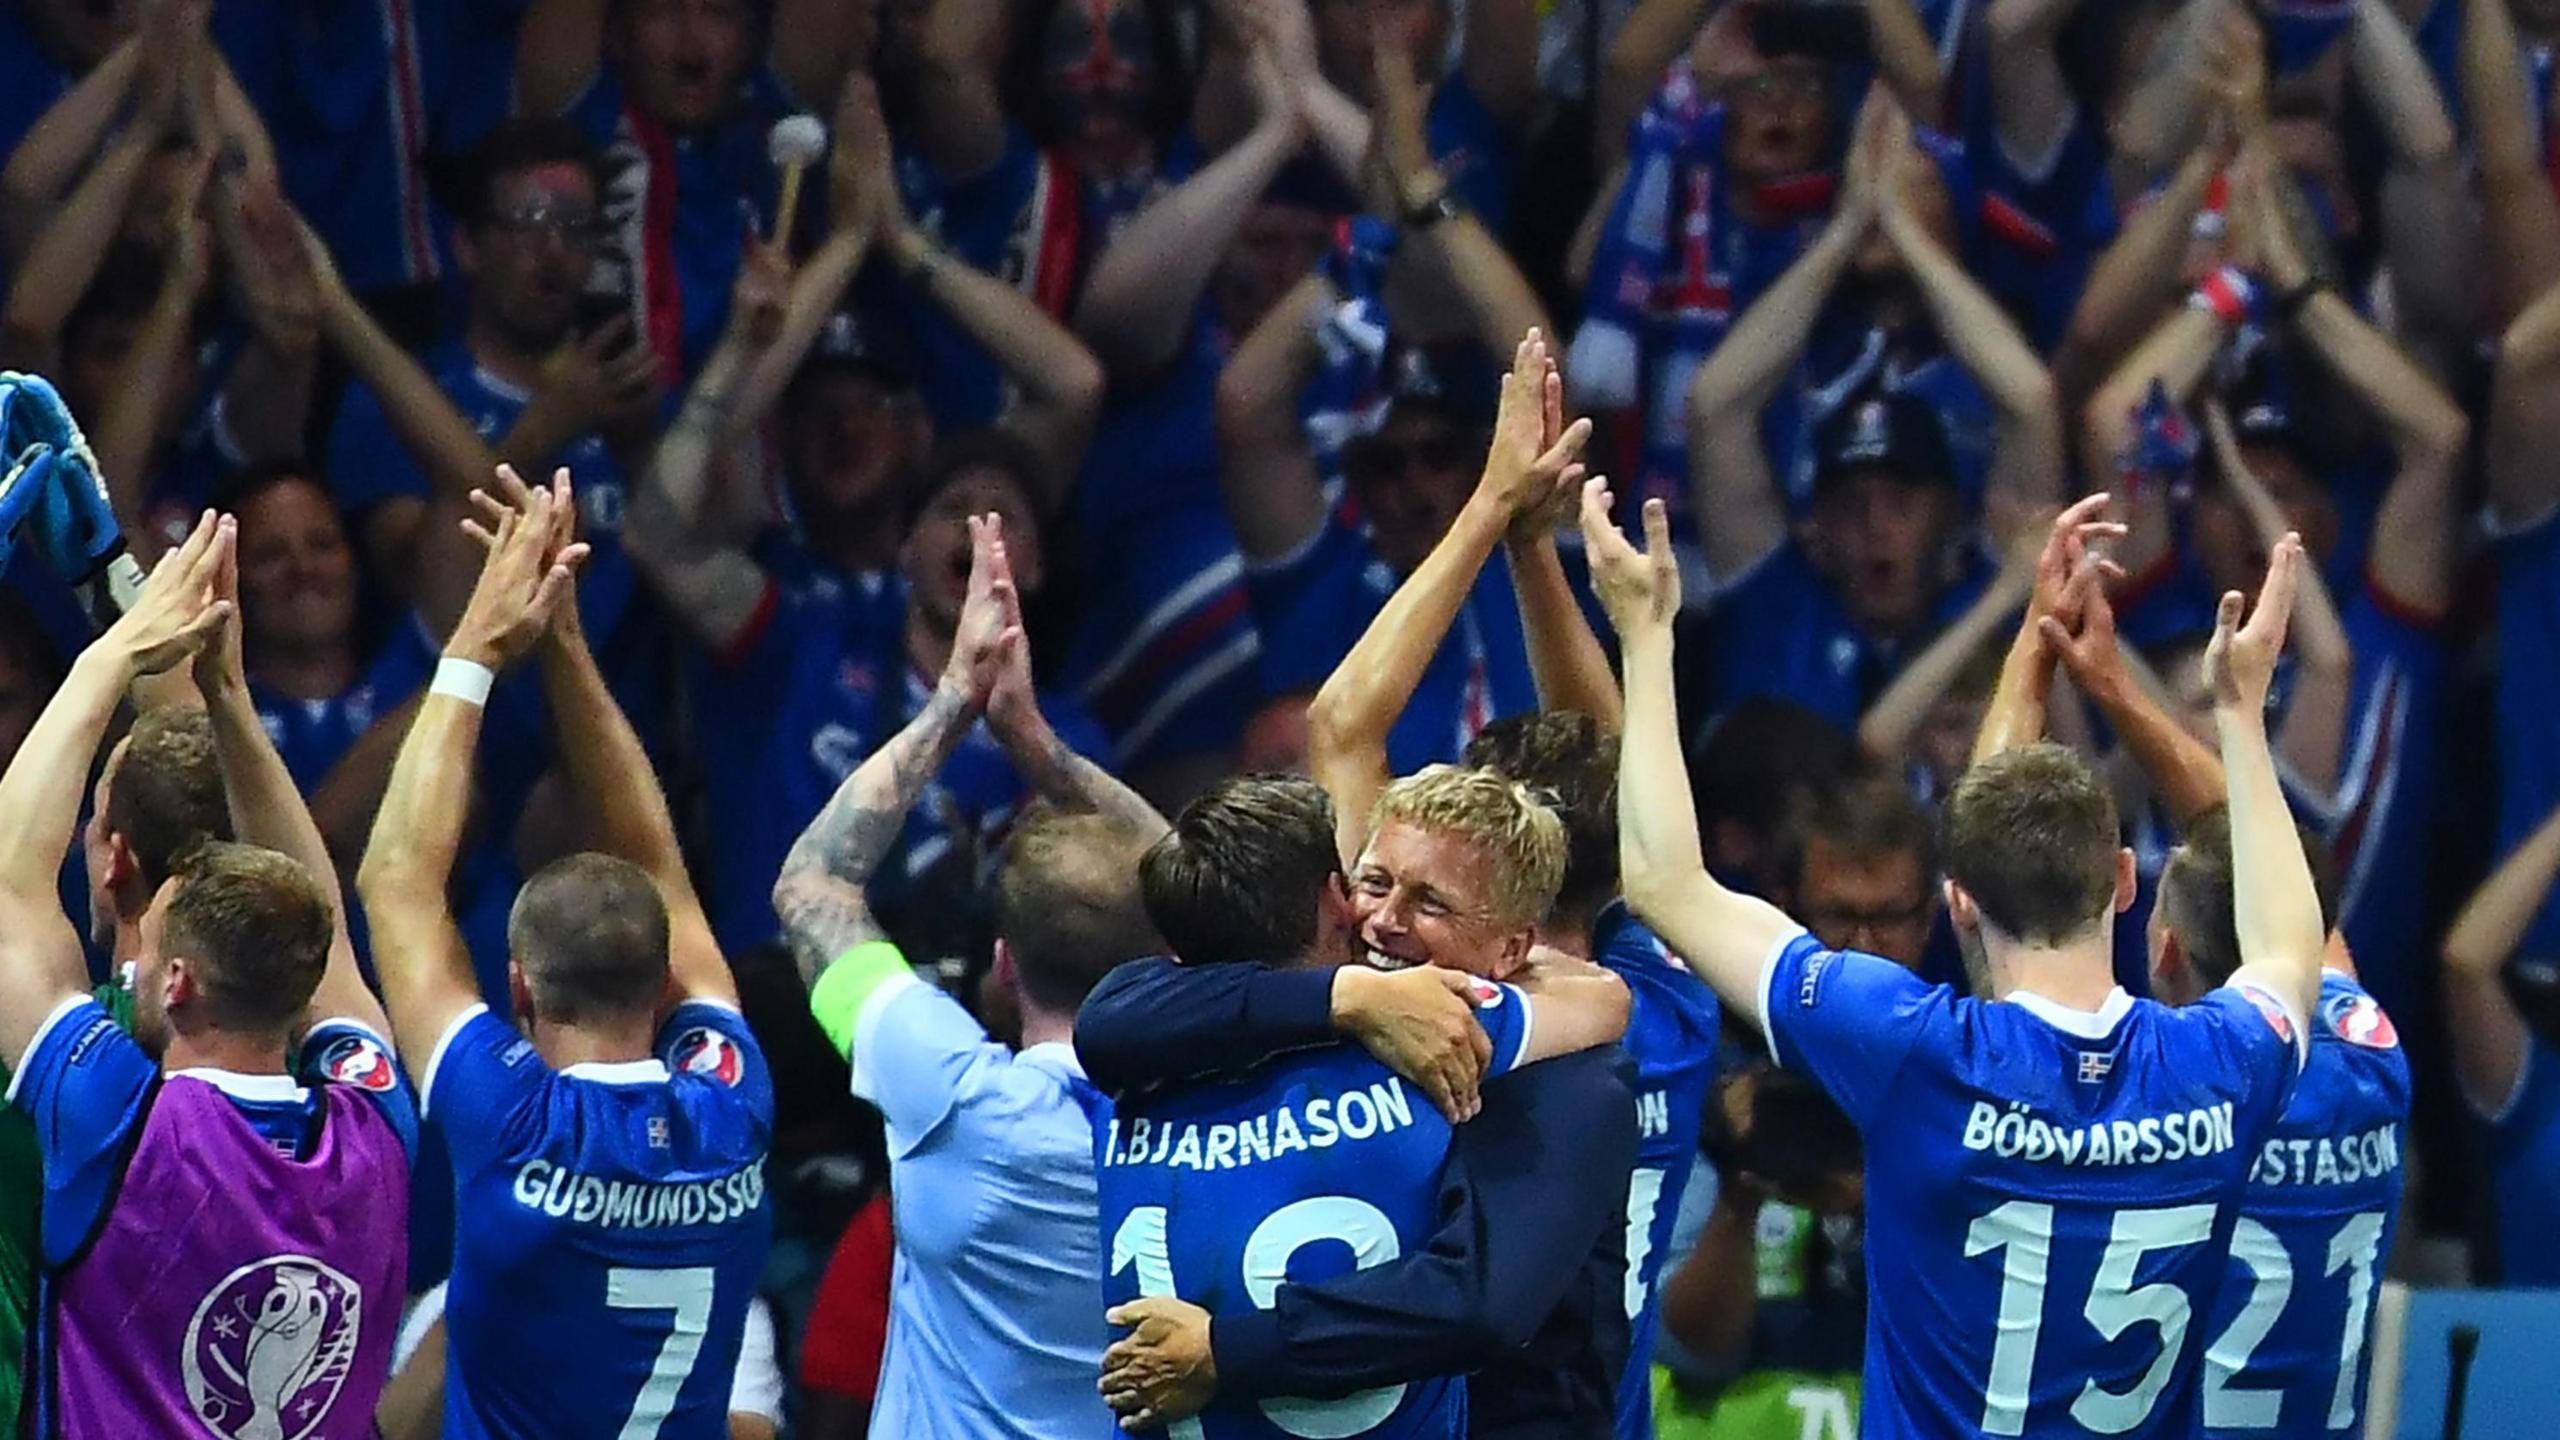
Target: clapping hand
[[529, 572], [1533, 469], [990, 627], [1639, 588], [2240, 663], [182, 605]]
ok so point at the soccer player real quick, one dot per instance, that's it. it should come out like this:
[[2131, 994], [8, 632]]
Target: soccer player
[[1215, 1192], [995, 1323], [1569, 753], [2034, 1153], [2285, 1346], [227, 1238], [608, 1148]]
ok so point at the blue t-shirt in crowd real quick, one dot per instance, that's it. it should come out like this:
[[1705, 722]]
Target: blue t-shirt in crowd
[[2528, 696], [1780, 630], [1315, 1164], [2024, 1162], [313, 735], [2286, 1351], [682, 208], [2524, 1169]]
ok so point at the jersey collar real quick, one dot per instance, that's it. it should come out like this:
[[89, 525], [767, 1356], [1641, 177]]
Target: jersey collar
[[270, 1089], [1055, 1054], [2083, 1024], [619, 1072]]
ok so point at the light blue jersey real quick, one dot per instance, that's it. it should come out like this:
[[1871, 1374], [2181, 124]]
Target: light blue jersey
[[612, 1221], [1317, 1164], [2050, 1192], [2286, 1350]]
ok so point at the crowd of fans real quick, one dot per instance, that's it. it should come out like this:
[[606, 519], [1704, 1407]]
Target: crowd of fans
[[1209, 302]]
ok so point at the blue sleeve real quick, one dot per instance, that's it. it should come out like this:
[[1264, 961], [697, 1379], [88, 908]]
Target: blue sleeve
[[1161, 1022], [484, 1088], [1309, 606], [343, 1052], [709, 1039], [1531, 1186], [367, 462], [1846, 1019], [87, 1086]]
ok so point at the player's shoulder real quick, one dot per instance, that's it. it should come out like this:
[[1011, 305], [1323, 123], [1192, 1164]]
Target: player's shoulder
[[2352, 1030]]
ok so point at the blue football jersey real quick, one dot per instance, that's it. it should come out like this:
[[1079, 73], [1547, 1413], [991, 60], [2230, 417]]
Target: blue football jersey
[[1672, 1035], [611, 1224], [1316, 1164], [2050, 1192], [2285, 1354]]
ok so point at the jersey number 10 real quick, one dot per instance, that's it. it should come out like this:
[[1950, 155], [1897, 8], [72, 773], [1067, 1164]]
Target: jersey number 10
[[1357, 1223]]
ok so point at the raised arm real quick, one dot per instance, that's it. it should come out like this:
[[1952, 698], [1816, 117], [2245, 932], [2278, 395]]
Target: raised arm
[[41, 963], [2160, 117], [1049, 765], [418, 951], [2518, 210], [1498, 298], [2173, 357], [1729, 478], [267, 398], [66, 247], [1907, 58], [2315, 720], [624, 810], [2524, 416], [2430, 234], [2490, 1037], [810, 45], [51, 156], [2135, 281], [1138, 303], [128, 431], [267, 810], [2027, 456], [714, 587], [1726, 936], [820, 893], [1348, 722], [1896, 714], [1566, 661], [2032, 108], [2016, 714], [1266, 471], [2182, 771], [2275, 909], [559, 48], [960, 125], [1647, 41], [1059, 380]]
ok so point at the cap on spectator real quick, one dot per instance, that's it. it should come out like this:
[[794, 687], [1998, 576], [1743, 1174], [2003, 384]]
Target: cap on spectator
[[1900, 433], [849, 345]]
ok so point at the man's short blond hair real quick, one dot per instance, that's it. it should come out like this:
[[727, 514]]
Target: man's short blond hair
[[1518, 832]]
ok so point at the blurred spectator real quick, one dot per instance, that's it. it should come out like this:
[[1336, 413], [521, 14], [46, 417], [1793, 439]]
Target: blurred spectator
[[679, 95], [1751, 767], [849, 1329], [1860, 869], [540, 376], [2507, 1058]]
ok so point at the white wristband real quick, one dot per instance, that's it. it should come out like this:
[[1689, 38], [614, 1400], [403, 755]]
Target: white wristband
[[465, 680]]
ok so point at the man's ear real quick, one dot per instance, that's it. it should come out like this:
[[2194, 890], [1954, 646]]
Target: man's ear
[[520, 995], [1961, 911], [1007, 973], [2128, 881], [121, 866], [178, 987]]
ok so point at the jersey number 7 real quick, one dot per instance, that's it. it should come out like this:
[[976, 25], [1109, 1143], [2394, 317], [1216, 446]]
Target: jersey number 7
[[687, 1293]]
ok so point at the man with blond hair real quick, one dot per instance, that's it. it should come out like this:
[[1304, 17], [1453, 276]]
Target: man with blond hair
[[1459, 869]]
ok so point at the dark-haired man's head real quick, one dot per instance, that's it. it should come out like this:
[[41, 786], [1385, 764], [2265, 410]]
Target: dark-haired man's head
[[2032, 858], [1249, 873], [1571, 761], [1751, 767], [529, 207], [234, 940], [985, 471], [684, 62], [1861, 868], [1411, 476], [2194, 939], [854, 433], [1067, 909], [586, 946], [1884, 510], [159, 794]]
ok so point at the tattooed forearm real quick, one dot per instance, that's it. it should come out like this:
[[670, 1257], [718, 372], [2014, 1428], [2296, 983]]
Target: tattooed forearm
[[1064, 778], [823, 877]]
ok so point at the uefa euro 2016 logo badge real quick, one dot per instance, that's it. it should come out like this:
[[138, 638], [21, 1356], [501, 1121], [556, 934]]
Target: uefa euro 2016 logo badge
[[270, 1346]]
